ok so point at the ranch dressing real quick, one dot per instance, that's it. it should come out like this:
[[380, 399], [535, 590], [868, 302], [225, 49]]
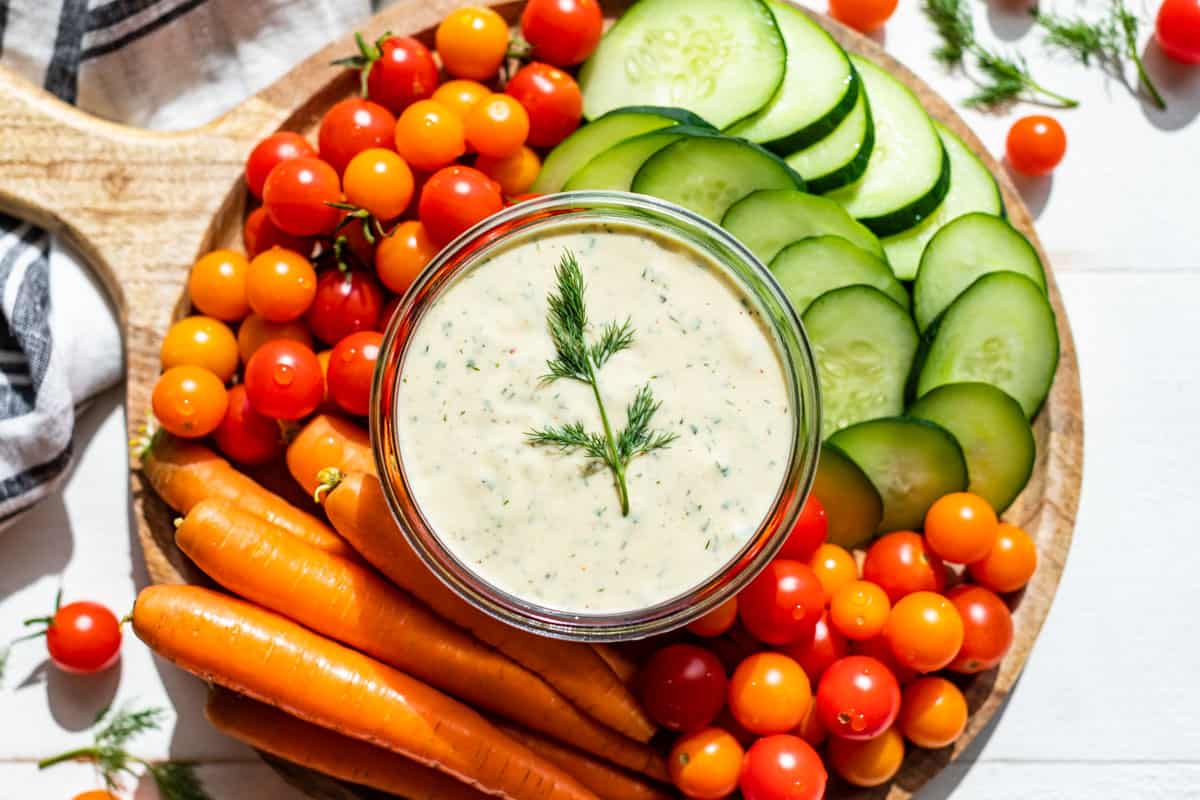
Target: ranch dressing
[[546, 525]]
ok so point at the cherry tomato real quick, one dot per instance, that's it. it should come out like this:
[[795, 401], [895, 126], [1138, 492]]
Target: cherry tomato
[[96, 794], [879, 649], [244, 435], [515, 173], [283, 380], [472, 42], [868, 763], [864, 16], [900, 564], [717, 621], [379, 181], [769, 693], [834, 568], [351, 126], [189, 401], [816, 651], [705, 765], [351, 369], [297, 196], [201, 342], [782, 605], [256, 331], [429, 135], [402, 255], [404, 73], [859, 610], [270, 151], [987, 629], [553, 100], [217, 285], [858, 698], [925, 631], [460, 95], [810, 729], [562, 32], [83, 638], [683, 687], [280, 285], [782, 767], [260, 234], [1178, 30], [1010, 563], [961, 527], [497, 126], [808, 533], [346, 303], [454, 199], [933, 712], [1035, 145]]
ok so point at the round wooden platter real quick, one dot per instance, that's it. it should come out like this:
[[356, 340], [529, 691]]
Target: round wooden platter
[[141, 206]]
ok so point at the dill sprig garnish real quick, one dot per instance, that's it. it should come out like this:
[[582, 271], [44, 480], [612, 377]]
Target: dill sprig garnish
[[176, 780], [1001, 78], [1108, 42], [576, 359]]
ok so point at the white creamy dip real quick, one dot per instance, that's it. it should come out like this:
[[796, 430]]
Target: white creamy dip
[[546, 525]]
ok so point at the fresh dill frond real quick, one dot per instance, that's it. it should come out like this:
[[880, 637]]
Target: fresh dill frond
[[177, 780], [952, 20], [637, 438], [568, 321], [613, 339], [572, 436]]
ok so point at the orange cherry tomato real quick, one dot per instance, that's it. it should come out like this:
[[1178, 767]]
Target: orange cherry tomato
[[96, 794], [379, 181], [217, 285], [472, 42], [717, 621], [461, 95], [987, 629], [769, 693], [400, 257], [497, 126], [429, 135], [515, 174], [256, 331], [864, 16], [705, 765], [259, 234], [961, 527], [925, 631], [900, 563], [859, 610], [280, 285], [879, 649], [1010, 563], [1035, 145], [810, 729], [201, 342], [835, 567], [189, 401], [933, 712], [868, 763]]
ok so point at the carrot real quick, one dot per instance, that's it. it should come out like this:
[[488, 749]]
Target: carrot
[[624, 667], [271, 730], [329, 441], [353, 605], [260, 654], [183, 473], [356, 506], [603, 779]]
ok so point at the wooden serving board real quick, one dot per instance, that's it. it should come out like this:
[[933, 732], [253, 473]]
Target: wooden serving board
[[142, 206]]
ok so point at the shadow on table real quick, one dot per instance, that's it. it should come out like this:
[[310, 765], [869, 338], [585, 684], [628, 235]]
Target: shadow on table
[[41, 545], [1034, 190], [76, 700], [1009, 20], [1180, 87]]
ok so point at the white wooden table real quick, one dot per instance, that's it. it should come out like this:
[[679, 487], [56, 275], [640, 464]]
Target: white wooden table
[[1106, 707]]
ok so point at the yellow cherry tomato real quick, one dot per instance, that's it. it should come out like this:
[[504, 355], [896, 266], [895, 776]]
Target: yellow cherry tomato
[[472, 42], [217, 285], [429, 135], [705, 765], [280, 285], [401, 256], [1009, 564], [201, 342], [834, 566], [933, 712], [868, 763], [961, 527], [925, 631], [497, 126], [515, 174], [460, 95], [859, 610], [769, 693], [380, 181], [189, 401]]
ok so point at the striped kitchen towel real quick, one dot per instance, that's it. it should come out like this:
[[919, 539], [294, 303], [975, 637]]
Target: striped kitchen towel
[[166, 64]]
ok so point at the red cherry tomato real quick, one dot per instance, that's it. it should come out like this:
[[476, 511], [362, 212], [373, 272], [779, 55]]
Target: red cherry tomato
[[683, 687], [782, 767], [270, 151], [808, 533], [351, 369], [283, 380], [987, 629], [260, 234], [865, 16], [297, 193], [901, 564], [454, 199], [858, 698], [83, 638], [562, 32], [346, 303], [246, 436], [351, 126], [553, 100], [815, 653], [404, 73], [1178, 30], [880, 649], [782, 605], [1035, 145]]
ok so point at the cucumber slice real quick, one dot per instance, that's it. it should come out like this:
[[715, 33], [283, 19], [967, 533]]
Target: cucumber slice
[[811, 267], [615, 167], [819, 87], [964, 250], [995, 436], [853, 508], [709, 174], [999, 331], [864, 343], [911, 462], [841, 157], [972, 188], [768, 221], [909, 171], [722, 59]]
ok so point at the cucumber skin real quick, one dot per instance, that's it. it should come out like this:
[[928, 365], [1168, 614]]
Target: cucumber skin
[[905, 217], [681, 115], [682, 131], [816, 131], [853, 169], [839, 533]]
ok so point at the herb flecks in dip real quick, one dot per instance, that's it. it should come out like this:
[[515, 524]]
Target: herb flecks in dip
[[546, 525]]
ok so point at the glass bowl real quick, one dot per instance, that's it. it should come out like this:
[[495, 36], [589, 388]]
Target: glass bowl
[[661, 219]]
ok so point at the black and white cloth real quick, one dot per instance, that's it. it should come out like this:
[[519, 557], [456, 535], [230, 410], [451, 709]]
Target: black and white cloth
[[168, 64]]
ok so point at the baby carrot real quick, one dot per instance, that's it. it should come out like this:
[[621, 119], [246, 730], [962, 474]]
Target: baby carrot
[[328, 441], [624, 667]]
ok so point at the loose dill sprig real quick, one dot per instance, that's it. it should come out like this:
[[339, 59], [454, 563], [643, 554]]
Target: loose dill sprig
[[577, 360], [1001, 78], [1107, 42]]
